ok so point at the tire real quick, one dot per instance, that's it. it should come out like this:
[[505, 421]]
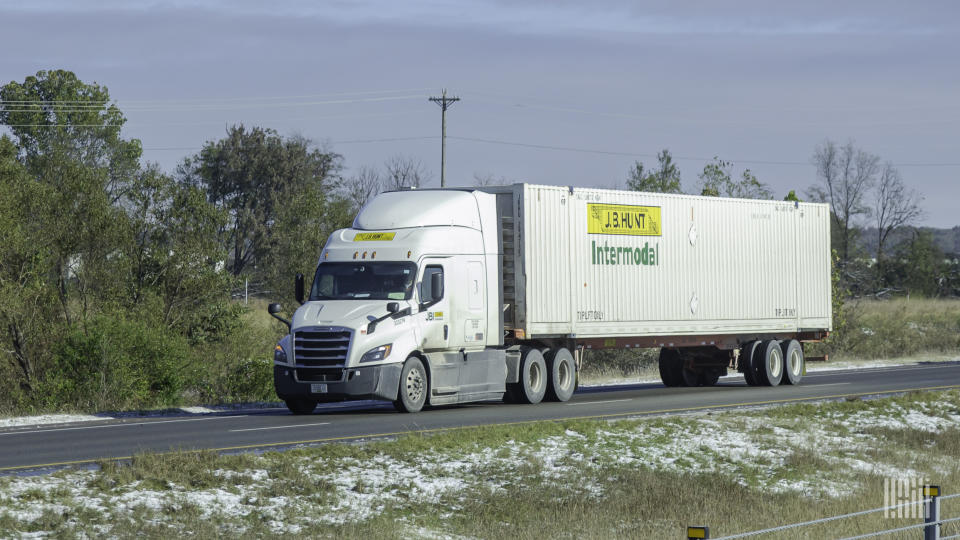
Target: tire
[[709, 377], [414, 386], [690, 377], [747, 354], [671, 367], [792, 361], [770, 363], [563, 375], [533, 377], [301, 406]]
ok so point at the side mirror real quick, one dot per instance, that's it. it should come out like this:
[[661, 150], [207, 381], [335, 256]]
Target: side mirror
[[273, 309], [436, 286], [393, 307], [298, 288]]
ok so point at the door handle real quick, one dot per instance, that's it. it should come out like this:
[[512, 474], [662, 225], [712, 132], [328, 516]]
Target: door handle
[[445, 331]]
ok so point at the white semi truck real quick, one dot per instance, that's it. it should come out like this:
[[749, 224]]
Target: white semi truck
[[442, 296]]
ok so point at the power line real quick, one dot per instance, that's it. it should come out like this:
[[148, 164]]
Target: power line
[[684, 158]]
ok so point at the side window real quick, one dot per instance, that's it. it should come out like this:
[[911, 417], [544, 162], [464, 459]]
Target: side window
[[425, 287]]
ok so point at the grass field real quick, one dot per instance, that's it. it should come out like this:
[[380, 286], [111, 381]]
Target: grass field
[[643, 478]]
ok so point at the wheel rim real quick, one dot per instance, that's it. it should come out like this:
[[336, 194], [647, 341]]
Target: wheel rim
[[795, 362], [414, 385], [563, 371], [776, 363], [536, 377]]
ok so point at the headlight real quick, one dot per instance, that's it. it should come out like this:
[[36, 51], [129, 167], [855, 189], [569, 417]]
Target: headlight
[[279, 357], [374, 355]]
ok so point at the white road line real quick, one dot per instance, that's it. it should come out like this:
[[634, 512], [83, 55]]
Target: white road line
[[830, 384], [278, 427], [126, 424], [595, 402]]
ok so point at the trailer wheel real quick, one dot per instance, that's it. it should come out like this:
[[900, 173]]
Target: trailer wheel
[[709, 377], [690, 377], [770, 358], [412, 394], [301, 405], [671, 367], [563, 375], [793, 361], [748, 354], [533, 377]]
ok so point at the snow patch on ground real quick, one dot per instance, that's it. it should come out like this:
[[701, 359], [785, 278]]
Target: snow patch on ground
[[763, 451]]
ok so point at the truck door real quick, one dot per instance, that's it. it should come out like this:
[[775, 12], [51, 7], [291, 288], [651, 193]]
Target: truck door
[[435, 314]]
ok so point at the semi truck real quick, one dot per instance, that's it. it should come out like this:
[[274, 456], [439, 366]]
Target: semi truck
[[442, 296]]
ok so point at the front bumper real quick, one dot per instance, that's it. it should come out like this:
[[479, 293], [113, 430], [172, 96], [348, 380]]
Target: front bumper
[[373, 382]]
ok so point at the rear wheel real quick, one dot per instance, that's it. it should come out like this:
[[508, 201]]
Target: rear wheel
[[770, 367], [690, 377], [671, 367], [301, 405], [412, 394], [533, 377], [709, 377], [747, 355], [793, 361], [563, 375]]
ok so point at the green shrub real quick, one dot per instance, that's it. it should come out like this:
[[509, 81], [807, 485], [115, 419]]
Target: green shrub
[[117, 361]]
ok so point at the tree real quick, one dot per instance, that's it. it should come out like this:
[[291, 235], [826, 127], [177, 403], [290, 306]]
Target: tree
[[665, 179], [404, 173], [894, 206], [363, 186], [920, 266], [716, 180], [55, 114], [845, 174], [253, 175], [792, 197]]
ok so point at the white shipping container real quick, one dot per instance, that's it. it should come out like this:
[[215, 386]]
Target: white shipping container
[[600, 263]]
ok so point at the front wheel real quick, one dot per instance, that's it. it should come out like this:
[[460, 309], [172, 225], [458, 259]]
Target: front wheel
[[301, 405], [412, 394]]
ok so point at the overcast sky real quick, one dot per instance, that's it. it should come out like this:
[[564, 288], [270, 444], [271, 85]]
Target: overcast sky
[[561, 92]]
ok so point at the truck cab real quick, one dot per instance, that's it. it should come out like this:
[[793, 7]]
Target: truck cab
[[403, 306]]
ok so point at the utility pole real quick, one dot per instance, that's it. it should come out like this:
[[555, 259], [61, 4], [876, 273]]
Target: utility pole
[[444, 102]]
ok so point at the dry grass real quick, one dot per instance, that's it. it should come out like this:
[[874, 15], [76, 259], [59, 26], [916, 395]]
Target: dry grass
[[575, 479]]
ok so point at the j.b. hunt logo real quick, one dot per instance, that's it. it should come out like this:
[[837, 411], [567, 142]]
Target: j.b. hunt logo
[[625, 255]]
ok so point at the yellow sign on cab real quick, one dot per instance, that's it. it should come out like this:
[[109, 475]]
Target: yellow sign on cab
[[374, 237]]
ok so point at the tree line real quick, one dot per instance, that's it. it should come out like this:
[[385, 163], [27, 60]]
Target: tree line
[[879, 250], [116, 276]]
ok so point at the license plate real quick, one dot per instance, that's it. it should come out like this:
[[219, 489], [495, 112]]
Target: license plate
[[318, 388]]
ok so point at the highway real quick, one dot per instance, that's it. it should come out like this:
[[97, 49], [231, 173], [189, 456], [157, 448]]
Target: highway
[[51, 446]]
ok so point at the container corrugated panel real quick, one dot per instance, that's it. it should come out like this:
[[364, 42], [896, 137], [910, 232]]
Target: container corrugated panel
[[623, 263]]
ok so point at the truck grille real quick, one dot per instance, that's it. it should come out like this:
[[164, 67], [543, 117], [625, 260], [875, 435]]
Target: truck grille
[[315, 347], [320, 354]]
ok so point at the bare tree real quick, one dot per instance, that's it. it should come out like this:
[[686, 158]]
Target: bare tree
[[363, 186], [716, 180], [894, 206], [846, 174], [489, 179], [403, 172]]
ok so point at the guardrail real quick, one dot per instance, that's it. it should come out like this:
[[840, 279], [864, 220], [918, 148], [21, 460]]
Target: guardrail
[[931, 524]]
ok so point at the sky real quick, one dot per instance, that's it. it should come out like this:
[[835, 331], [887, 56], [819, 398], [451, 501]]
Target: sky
[[558, 92]]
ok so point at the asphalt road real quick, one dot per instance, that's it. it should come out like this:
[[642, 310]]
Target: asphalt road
[[38, 447]]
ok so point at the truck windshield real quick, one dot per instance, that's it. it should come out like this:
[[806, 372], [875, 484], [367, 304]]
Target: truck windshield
[[367, 280]]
